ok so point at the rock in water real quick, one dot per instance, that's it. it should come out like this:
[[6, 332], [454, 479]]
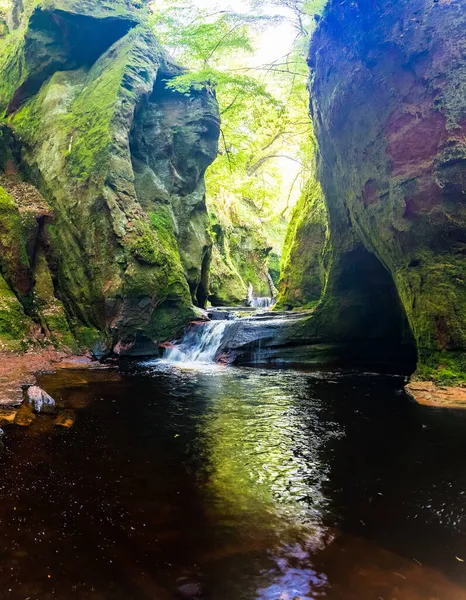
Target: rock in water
[[40, 400], [65, 419]]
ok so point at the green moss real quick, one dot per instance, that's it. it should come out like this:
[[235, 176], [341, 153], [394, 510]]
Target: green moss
[[305, 258], [89, 337], [14, 324], [13, 256], [3, 28], [443, 368], [274, 267], [144, 244], [77, 283], [226, 285], [12, 67], [247, 247], [161, 221], [170, 320], [49, 311], [90, 121]]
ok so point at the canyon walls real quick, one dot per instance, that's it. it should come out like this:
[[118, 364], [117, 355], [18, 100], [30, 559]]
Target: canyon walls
[[388, 101], [102, 178]]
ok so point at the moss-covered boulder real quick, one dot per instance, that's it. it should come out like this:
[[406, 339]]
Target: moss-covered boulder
[[120, 159], [388, 92]]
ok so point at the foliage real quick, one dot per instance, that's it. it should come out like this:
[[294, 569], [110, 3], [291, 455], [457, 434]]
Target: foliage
[[5, 6], [266, 135], [302, 13]]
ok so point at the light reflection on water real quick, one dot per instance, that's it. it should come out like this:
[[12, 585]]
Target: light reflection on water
[[265, 476], [233, 484]]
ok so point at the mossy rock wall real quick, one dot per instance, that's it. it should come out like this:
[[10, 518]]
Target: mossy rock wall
[[304, 261], [121, 161], [246, 251], [388, 99]]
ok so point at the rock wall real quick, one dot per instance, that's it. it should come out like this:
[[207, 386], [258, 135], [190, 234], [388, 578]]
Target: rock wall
[[118, 161], [245, 252], [388, 100]]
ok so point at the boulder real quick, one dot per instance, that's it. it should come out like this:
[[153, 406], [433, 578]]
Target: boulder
[[40, 400]]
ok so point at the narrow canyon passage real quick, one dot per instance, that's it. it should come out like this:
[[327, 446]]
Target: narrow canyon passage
[[232, 300], [234, 484]]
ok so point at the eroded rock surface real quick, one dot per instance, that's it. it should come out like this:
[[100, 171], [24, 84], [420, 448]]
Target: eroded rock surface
[[388, 88], [113, 250]]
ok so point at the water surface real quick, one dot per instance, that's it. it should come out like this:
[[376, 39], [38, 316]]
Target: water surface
[[234, 484]]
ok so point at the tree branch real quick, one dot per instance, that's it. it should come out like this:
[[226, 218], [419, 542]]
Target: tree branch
[[256, 166]]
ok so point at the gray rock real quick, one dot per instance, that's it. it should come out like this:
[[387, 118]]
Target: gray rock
[[40, 400]]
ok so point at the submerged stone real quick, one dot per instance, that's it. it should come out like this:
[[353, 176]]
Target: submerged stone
[[65, 419], [25, 416], [40, 400], [7, 416]]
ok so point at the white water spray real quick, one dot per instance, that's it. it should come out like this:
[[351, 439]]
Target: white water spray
[[200, 344], [262, 302]]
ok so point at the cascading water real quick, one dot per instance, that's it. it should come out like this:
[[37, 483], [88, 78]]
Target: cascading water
[[200, 344], [262, 302]]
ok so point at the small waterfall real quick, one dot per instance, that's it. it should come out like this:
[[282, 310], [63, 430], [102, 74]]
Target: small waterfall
[[262, 302], [200, 344]]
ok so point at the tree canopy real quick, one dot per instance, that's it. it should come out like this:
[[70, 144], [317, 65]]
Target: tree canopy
[[264, 113]]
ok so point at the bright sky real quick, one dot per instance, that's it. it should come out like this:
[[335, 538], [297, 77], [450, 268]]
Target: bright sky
[[273, 44]]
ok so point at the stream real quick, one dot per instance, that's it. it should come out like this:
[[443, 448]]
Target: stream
[[182, 478]]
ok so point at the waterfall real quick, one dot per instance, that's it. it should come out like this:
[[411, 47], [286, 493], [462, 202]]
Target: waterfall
[[200, 344], [262, 302]]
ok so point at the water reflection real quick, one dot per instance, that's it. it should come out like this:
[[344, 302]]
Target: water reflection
[[265, 474], [232, 484]]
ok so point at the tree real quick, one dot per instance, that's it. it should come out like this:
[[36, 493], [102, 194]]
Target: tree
[[265, 125], [5, 6], [300, 12]]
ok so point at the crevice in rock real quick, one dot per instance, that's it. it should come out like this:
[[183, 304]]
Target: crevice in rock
[[367, 302], [202, 292]]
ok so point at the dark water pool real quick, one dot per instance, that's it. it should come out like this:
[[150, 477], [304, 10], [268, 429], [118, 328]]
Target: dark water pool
[[234, 484]]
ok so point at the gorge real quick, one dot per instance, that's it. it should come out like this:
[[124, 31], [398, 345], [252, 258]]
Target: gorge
[[255, 370]]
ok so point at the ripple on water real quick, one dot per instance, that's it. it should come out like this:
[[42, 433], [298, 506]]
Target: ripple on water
[[233, 484]]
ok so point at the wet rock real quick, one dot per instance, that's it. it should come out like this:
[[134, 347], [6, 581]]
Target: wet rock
[[65, 419], [40, 400], [100, 350], [190, 590], [428, 393], [24, 416], [220, 315], [200, 314], [7, 416]]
